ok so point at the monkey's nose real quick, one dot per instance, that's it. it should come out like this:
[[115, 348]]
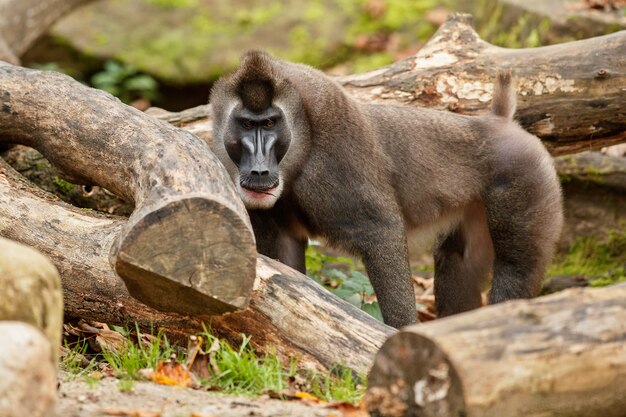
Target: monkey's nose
[[260, 172]]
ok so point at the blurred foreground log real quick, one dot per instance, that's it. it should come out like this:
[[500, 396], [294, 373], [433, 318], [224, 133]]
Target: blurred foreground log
[[31, 319], [288, 312], [188, 245], [31, 292], [559, 355], [571, 95]]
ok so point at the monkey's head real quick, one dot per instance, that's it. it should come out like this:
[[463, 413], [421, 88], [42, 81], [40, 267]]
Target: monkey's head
[[257, 119]]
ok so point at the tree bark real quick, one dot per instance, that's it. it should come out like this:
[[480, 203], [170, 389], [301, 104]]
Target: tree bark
[[287, 311], [571, 95], [188, 245], [560, 355], [23, 21]]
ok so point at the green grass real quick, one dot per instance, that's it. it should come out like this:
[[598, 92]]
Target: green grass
[[601, 262], [238, 370], [72, 362], [242, 371], [339, 385], [133, 357]]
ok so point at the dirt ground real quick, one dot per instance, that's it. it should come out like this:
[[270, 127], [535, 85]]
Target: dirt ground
[[77, 398]]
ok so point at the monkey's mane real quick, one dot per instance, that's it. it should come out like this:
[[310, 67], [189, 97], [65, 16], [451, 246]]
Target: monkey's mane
[[255, 83]]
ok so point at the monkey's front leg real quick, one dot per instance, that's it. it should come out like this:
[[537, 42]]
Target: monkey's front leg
[[386, 258]]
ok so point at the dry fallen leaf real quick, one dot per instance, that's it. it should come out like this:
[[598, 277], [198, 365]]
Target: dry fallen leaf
[[111, 341], [172, 373], [197, 360], [349, 410], [308, 397]]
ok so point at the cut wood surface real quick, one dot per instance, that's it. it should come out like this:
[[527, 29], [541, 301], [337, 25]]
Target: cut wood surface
[[188, 245], [559, 355], [571, 95], [287, 311]]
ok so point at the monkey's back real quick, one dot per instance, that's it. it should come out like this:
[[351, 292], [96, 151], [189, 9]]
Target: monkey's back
[[445, 157]]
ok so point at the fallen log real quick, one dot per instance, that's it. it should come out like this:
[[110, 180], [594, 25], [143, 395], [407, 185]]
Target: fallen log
[[571, 95], [559, 355], [287, 312], [188, 245]]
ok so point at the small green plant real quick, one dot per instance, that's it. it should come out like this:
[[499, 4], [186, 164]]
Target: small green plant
[[63, 185], [350, 285], [75, 356], [241, 371], [128, 361], [125, 82], [125, 385], [339, 385], [316, 261]]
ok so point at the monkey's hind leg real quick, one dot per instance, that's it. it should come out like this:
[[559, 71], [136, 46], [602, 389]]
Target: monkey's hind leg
[[524, 215], [463, 261]]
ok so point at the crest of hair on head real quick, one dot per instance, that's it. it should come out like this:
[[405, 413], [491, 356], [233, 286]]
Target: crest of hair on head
[[256, 87]]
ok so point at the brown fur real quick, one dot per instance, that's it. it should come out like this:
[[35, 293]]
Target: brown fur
[[361, 175]]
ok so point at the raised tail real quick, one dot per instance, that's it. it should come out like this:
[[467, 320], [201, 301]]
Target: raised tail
[[504, 101]]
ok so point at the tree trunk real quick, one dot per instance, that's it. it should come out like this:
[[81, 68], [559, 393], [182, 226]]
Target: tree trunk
[[560, 355], [188, 245], [23, 21], [288, 311], [571, 95]]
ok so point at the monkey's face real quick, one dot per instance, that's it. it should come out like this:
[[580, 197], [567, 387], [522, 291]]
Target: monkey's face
[[257, 143]]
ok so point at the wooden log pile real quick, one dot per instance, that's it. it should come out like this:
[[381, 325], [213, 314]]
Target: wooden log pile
[[185, 256]]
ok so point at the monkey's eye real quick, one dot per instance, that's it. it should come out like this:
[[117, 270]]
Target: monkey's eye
[[247, 124], [269, 123]]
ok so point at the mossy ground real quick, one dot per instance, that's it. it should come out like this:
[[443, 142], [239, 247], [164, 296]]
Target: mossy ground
[[600, 262]]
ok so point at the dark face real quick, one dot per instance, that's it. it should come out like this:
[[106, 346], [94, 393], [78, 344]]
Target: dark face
[[257, 143]]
